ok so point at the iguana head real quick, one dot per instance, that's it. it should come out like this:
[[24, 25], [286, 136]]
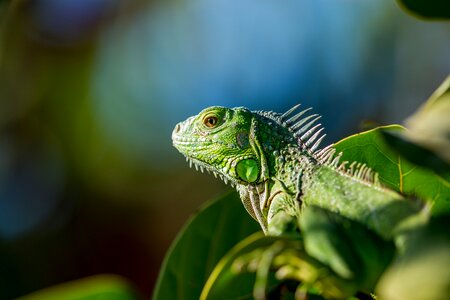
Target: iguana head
[[242, 146], [220, 140]]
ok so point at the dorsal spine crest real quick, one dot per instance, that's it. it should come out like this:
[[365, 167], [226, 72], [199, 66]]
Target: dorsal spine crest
[[309, 136]]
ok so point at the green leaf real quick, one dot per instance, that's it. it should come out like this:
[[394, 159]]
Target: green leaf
[[429, 126], [394, 171], [272, 267], [226, 283], [349, 248], [205, 238], [422, 271], [436, 9], [417, 154], [99, 287]]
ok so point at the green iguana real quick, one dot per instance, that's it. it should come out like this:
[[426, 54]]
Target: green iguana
[[275, 163]]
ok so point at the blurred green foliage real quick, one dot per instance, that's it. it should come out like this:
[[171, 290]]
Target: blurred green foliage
[[422, 271], [99, 287], [226, 282], [429, 127], [434, 9], [90, 91], [205, 239]]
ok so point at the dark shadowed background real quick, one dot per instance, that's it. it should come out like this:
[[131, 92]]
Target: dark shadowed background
[[91, 89]]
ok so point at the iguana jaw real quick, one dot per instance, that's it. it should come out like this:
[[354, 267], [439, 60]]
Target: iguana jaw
[[223, 173], [188, 147], [199, 165]]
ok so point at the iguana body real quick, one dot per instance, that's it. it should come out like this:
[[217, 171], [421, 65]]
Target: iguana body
[[300, 192], [275, 163]]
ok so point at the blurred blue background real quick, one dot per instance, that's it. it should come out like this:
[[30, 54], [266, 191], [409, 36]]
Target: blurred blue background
[[91, 89]]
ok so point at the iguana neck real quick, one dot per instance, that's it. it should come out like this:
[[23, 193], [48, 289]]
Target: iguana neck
[[283, 163], [289, 164], [281, 152], [381, 209]]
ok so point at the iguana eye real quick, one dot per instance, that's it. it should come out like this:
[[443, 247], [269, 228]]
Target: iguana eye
[[210, 121]]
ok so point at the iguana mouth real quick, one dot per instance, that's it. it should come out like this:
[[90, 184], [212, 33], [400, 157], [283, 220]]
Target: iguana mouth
[[188, 140], [181, 142]]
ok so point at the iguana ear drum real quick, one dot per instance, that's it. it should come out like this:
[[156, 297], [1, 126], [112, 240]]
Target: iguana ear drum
[[247, 170], [242, 140]]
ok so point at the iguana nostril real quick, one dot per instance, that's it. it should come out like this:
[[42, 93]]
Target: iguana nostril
[[177, 128], [176, 131]]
